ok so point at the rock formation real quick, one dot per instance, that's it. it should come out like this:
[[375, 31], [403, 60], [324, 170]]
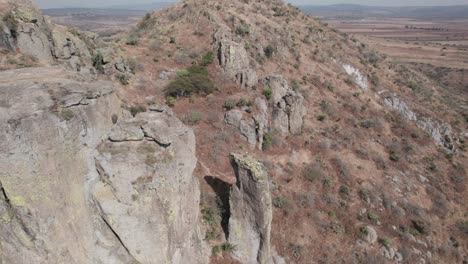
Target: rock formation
[[251, 211], [234, 59], [288, 109], [76, 187]]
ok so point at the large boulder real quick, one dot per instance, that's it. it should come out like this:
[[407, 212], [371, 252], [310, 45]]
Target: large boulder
[[77, 188], [250, 211]]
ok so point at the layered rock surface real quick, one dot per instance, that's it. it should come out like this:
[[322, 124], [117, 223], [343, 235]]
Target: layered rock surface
[[77, 188]]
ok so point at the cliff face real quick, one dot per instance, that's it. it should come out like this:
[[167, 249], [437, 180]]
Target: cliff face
[[84, 181]]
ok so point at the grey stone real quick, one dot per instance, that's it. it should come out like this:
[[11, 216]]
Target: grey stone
[[251, 211]]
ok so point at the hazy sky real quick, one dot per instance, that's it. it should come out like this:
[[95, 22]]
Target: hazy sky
[[93, 3]]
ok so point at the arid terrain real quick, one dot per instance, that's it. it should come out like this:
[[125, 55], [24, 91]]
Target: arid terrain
[[231, 131]]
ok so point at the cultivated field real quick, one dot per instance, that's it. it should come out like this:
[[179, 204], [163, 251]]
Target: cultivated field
[[440, 43]]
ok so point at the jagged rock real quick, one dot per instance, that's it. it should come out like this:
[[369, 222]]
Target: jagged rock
[[69, 194], [250, 211], [289, 110], [234, 59], [359, 78], [389, 253], [439, 131], [400, 107], [233, 117], [245, 127]]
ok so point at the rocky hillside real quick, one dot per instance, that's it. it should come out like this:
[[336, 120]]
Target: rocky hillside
[[298, 144]]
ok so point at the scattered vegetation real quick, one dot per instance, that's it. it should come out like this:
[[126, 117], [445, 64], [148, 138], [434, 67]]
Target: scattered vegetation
[[207, 59], [123, 78]]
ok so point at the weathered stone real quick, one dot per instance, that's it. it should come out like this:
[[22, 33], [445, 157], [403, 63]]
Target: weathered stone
[[234, 59], [359, 78], [371, 236], [250, 211], [64, 183], [289, 110], [233, 117]]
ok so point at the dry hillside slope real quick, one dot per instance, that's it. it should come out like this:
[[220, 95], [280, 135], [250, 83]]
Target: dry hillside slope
[[298, 144]]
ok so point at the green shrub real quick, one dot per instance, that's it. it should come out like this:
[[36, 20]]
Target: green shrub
[[183, 73], [269, 50], [123, 78], [192, 118], [197, 82], [372, 216], [243, 30], [281, 202], [268, 140], [385, 242], [312, 172], [322, 117], [268, 93], [210, 216], [228, 247], [172, 40], [244, 102], [394, 156], [171, 101], [207, 59], [229, 104]]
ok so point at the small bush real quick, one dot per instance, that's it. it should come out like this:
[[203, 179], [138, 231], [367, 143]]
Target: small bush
[[322, 117], [136, 109], [242, 30], [229, 104], [268, 141], [183, 73], [207, 59], [197, 82], [172, 40], [193, 118], [228, 247], [210, 216], [244, 102], [268, 93], [385, 242], [269, 50], [132, 41], [124, 79], [312, 172], [372, 216], [171, 101], [281, 202], [98, 62]]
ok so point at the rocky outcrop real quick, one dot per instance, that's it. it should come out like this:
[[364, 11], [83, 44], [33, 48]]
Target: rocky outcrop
[[439, 131], [358, 77], [245, 126], [250, 211], [288, 110], [77, 188], [234, 59]]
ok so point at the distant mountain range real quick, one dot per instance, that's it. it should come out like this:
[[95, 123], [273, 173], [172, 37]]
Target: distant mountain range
[[359, 11]]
